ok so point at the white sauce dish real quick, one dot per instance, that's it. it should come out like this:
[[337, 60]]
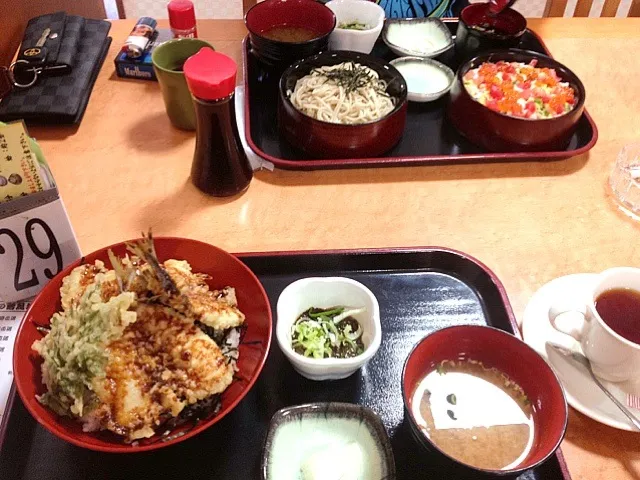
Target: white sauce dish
[[417, 37], [366, 14], [327, 441], [328, 292], [427, 79]]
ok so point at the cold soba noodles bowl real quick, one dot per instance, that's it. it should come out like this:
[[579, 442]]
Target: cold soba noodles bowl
[[342, 104]]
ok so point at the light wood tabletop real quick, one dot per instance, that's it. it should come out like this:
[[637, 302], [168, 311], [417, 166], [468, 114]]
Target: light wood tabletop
[[125, 169]]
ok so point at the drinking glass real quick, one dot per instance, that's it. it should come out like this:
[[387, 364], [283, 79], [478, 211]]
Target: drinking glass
[[625, 180]]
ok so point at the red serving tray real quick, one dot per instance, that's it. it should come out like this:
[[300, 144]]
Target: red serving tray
[[428, 138]]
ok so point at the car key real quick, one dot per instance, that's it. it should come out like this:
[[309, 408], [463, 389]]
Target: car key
[[27, 67], [37, 54]]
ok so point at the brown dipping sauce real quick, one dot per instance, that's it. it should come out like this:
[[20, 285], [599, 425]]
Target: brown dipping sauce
[[288, 34]]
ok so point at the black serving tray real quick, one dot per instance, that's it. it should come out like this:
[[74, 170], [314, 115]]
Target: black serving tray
[[419, 291], [428, 137]]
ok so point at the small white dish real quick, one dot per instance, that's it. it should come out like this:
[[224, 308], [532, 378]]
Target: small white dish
[[361, 11], [427, 79], [325, 292], [581, 392], [327, 440], [417, 37]]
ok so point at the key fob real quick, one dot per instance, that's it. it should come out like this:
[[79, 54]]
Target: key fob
[[36, 56], [29, 58]]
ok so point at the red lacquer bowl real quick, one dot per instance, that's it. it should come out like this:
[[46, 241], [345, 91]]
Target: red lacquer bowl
[[225, 269], [501, 133], [320, 139], [307, 14], [501, 31], [510, 355]]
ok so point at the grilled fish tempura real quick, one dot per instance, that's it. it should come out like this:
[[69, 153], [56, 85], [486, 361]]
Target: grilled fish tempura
[[127, 352]]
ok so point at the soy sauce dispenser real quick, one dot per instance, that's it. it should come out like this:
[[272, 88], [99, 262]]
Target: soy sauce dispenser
[[220, 166]]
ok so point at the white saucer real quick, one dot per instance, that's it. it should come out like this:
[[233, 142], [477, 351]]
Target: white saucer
[[582, 393]]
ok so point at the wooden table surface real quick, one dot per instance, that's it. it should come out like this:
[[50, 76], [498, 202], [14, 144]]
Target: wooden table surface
[[125, 169]]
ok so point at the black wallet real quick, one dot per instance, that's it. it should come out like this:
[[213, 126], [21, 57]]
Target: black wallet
[[76, 47]]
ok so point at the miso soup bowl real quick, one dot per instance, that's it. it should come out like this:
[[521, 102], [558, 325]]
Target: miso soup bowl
[[266, 15], [508, 354]]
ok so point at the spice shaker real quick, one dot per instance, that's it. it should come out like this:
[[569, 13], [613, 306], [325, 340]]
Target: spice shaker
[[220, 165], [182, 19]]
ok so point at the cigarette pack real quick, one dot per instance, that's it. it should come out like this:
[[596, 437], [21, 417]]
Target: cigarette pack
[[142, 67]]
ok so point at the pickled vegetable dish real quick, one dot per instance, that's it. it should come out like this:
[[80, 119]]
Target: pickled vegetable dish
[[353, 26], [328, 333], [520, 90]]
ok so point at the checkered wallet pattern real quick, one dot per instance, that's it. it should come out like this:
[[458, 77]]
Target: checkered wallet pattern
[[81, 44]]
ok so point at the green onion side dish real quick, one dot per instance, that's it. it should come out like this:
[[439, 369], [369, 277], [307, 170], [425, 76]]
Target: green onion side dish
[[353, 26], [328, 333]]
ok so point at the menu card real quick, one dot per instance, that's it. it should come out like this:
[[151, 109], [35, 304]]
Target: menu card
[[36, 239], [19, 170], [11, 314]]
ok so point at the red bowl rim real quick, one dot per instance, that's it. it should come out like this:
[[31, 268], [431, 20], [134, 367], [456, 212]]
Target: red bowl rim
[[510, 337], [266, 3], [465, 68], [348, 56], [202, 426]]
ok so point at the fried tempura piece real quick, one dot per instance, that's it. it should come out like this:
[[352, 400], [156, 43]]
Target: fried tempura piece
[[161, 364], [215, 308], [76, 283]]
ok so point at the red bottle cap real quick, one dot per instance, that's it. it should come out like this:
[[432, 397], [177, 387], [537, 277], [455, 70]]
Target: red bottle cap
[[210, 75], [182, 15]]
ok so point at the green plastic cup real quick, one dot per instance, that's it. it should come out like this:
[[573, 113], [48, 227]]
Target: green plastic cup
[[168, 60]]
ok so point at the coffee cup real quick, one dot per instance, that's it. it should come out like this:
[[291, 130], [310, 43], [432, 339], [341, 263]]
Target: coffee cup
[[168, 60], [606, 323]]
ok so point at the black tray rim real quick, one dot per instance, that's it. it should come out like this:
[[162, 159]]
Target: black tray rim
[[405, 161], [359, 252]]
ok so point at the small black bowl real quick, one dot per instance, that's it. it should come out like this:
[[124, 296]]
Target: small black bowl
[[307, 14]]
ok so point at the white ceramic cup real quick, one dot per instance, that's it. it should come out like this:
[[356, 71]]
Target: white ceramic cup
[[612, 356], [363, 11]]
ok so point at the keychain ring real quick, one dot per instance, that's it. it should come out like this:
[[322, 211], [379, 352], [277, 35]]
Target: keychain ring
[[13, 78]]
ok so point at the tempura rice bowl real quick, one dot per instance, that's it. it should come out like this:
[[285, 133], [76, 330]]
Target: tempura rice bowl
[[223, 268]]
